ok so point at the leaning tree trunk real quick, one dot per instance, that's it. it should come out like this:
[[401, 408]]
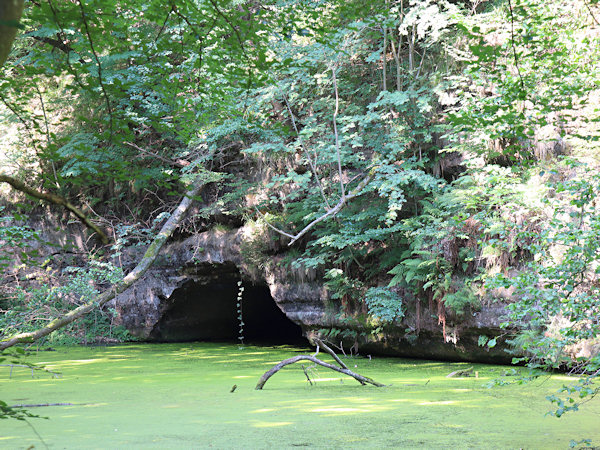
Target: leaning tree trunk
[[131, 278], [57, 200]]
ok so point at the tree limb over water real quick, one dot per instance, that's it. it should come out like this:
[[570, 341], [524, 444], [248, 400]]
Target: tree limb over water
[[131, 278]]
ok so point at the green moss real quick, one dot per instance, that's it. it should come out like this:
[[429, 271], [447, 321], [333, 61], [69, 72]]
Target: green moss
[[178, 396]]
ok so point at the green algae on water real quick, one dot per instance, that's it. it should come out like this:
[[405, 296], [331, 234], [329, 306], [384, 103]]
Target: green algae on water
[[179, 396]]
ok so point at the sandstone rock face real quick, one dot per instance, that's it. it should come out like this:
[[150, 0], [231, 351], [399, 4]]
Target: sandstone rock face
[[190, 293]]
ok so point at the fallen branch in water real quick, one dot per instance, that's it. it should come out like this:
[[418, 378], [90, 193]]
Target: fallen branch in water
[[342, 369], [461, 373], [361, 379], [41, 405]]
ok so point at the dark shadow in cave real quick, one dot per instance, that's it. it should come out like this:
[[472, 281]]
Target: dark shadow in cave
[[205, 310]]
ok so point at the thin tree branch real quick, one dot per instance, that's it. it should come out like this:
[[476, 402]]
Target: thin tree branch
[[242, 47], [57, 200], [587, 5], [48, 141], [383, 61], [272, 227], [68, 62], [310, 161], [131, 278], [190, 24], [396, 55], [233, 28], [331, 212], [157, 156], [162, 28], [514, 48], [18, 116], [89, 36], [58, 44], [320, 343], [421, 65], [337, 139]]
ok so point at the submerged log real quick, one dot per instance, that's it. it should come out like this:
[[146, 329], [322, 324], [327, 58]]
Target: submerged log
[[461, 373], [40, 405]]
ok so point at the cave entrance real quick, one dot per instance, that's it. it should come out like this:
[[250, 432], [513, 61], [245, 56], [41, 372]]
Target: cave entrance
[[205, 309]]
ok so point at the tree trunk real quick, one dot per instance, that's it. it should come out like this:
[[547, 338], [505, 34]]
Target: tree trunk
[[10, 13], [131, 278]]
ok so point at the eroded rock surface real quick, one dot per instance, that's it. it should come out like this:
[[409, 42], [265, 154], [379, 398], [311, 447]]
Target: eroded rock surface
[[190, 293]]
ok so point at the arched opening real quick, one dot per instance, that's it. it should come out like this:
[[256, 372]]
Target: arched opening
[[205, 309]]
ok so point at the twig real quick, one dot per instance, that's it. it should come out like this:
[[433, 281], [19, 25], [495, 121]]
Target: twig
[[317, 350], [162, 28], [47, 131], [41, 405], [512, 41], [157, 156], [306, 373], [32, 368], [421, 64], [36, 433], [17, 115], [587, 5], [383, 61], [331, 352], [72, 71], [273, 227]]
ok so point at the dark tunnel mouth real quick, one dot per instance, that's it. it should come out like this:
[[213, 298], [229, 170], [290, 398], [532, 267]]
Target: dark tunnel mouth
[[205, 308]]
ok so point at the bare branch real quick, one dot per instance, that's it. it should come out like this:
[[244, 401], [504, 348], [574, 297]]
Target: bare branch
[[268, 374], [178, 163], [57, 200], [329, 213], [320, 343], [512, 42], [17, 115], [272, 227], [333, 211], [587, 5], [383, 61]]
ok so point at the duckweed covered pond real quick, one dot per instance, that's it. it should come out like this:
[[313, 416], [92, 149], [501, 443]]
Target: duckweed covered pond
[[178, 396]]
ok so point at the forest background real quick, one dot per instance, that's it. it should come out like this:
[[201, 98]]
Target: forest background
[[409, 151]]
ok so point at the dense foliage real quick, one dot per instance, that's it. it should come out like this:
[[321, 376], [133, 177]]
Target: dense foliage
[[402, 145]]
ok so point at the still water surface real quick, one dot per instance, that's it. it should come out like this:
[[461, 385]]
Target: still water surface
[[179, 396]]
